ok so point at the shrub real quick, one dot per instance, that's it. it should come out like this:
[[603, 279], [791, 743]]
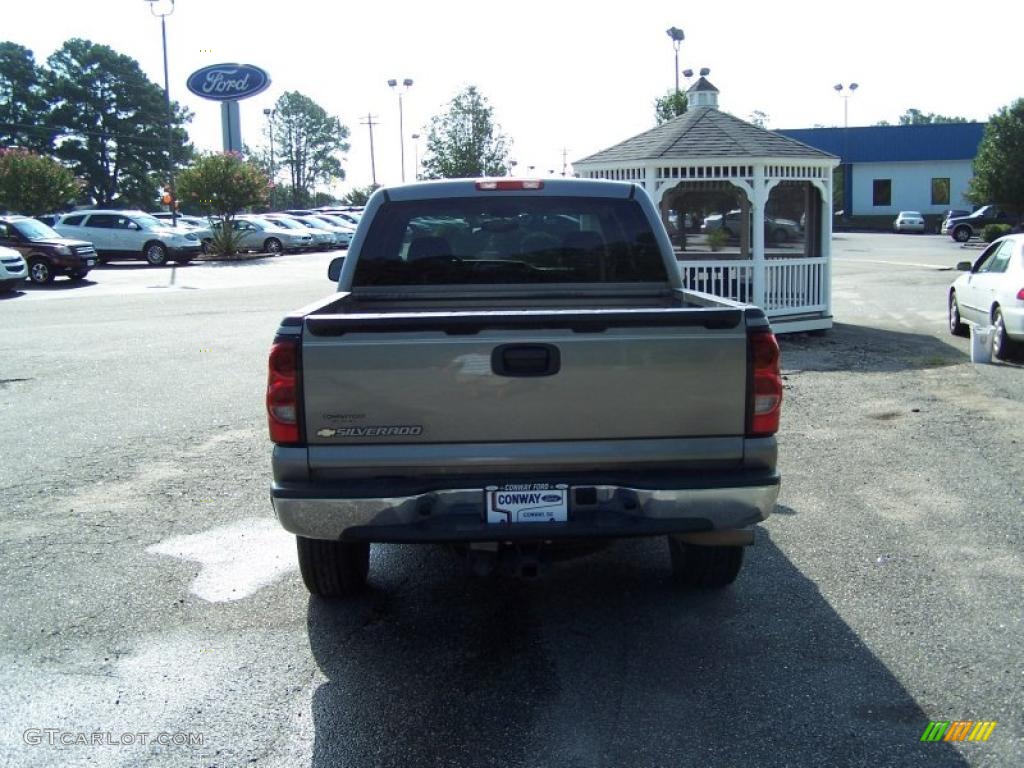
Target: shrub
[[717, 238], [994, 232], [33, 184]]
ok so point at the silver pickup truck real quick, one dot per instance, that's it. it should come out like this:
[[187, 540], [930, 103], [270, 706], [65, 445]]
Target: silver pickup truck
[[513, 366]]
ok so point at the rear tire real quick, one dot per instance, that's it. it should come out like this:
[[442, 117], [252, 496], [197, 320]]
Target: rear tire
[[704, 567], [1002, 347], [333, 568], [155, 254]]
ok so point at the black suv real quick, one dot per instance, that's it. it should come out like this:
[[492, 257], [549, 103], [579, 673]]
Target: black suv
[[963, 228], [46, 251]]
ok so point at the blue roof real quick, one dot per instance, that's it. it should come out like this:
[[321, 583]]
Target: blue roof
[[895, 143]]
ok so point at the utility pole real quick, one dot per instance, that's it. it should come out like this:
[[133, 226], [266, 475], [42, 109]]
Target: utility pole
[[565, 161], [373, 162]]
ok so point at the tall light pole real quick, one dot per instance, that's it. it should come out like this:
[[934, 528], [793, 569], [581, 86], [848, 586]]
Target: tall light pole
[[677, 36], [401, 129], [415, 156], [167, 97], [269, 122], [846, 93], [845, 96]]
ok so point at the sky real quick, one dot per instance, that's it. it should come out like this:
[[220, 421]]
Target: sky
[[563, 76]]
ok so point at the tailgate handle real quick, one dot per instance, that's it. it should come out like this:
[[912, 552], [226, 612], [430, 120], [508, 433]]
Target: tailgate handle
[[526, 360]]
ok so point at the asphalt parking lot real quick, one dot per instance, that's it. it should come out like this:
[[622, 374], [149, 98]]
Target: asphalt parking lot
[[148, 589]]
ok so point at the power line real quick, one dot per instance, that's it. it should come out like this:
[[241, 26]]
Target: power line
[[373, 162]]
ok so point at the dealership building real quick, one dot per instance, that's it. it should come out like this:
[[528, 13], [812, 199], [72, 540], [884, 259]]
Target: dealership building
[[891, 168]]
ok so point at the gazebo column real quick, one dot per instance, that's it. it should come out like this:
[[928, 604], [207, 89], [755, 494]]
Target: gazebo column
[[826, 240], [758, 200]]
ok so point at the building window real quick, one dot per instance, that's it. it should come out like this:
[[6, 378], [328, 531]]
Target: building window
[[881, 192], [940, 191]]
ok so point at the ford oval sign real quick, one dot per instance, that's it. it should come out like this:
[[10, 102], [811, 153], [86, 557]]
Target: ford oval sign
[[228, 82]]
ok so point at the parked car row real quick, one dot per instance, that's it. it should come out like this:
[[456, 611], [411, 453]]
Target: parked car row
[[775, 230]]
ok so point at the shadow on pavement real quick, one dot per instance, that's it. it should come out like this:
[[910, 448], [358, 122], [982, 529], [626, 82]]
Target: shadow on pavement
[[603, 663], [865, 349]]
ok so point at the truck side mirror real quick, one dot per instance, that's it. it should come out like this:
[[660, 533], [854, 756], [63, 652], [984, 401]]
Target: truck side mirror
[[334, 268], [964, 266]]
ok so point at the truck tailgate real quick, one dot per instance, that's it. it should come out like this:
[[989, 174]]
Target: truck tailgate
[[568, 376]]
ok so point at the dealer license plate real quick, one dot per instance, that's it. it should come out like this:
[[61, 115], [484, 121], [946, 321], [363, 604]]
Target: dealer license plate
[[527, 503], [90, 262]]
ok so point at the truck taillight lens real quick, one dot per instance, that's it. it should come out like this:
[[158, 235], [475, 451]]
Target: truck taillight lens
[[1020, 295], [283, 392], [766, 394], [501, 185]]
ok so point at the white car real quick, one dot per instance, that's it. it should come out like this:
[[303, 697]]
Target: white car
[[130, 235], [13, 270], [991, 293], [908, 221]]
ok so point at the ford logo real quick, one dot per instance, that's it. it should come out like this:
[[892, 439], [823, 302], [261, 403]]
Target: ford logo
[[551, 498], [228, 82]]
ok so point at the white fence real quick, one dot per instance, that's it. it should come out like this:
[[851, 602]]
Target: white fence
[[792, 286]]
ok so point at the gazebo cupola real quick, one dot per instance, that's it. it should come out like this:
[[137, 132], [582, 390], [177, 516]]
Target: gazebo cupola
[[749, 210], [702, 93]]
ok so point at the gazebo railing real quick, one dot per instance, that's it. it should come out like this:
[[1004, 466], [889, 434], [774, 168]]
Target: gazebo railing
[[792, 286]]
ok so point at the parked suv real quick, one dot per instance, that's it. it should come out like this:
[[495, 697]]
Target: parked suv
[[12, 269], [46, 252], [131, 235], [963, 228]]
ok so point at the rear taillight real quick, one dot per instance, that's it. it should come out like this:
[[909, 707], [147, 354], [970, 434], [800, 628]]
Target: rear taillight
[[283, 392], [492, 185], [1020, 295], [765, 401]]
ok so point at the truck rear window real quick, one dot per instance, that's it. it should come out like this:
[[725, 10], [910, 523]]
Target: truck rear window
[[509, 240]]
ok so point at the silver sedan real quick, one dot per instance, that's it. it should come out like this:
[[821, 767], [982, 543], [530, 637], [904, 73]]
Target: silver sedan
[[908, 221], [322, 239], [258, 234], [991, 293]]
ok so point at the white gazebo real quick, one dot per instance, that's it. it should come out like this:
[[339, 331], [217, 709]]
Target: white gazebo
[[781, 264]]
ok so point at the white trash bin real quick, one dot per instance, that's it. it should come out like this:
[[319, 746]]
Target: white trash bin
[[981, 344]]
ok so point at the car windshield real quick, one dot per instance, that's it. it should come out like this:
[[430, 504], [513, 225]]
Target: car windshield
[[146, 221], [286, 223], [333, 220], [35, 230], [510, 240]]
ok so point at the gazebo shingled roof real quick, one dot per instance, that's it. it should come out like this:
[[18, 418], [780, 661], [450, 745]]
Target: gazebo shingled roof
[[705, 132]]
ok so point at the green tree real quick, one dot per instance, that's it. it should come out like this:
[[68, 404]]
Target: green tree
[[222, 184], [32, 184], [999, 164], [308, 143], [360, 195], [464, 141], [672, 104], [22, 106], [759, 118], [917, 117], [112, 123]]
